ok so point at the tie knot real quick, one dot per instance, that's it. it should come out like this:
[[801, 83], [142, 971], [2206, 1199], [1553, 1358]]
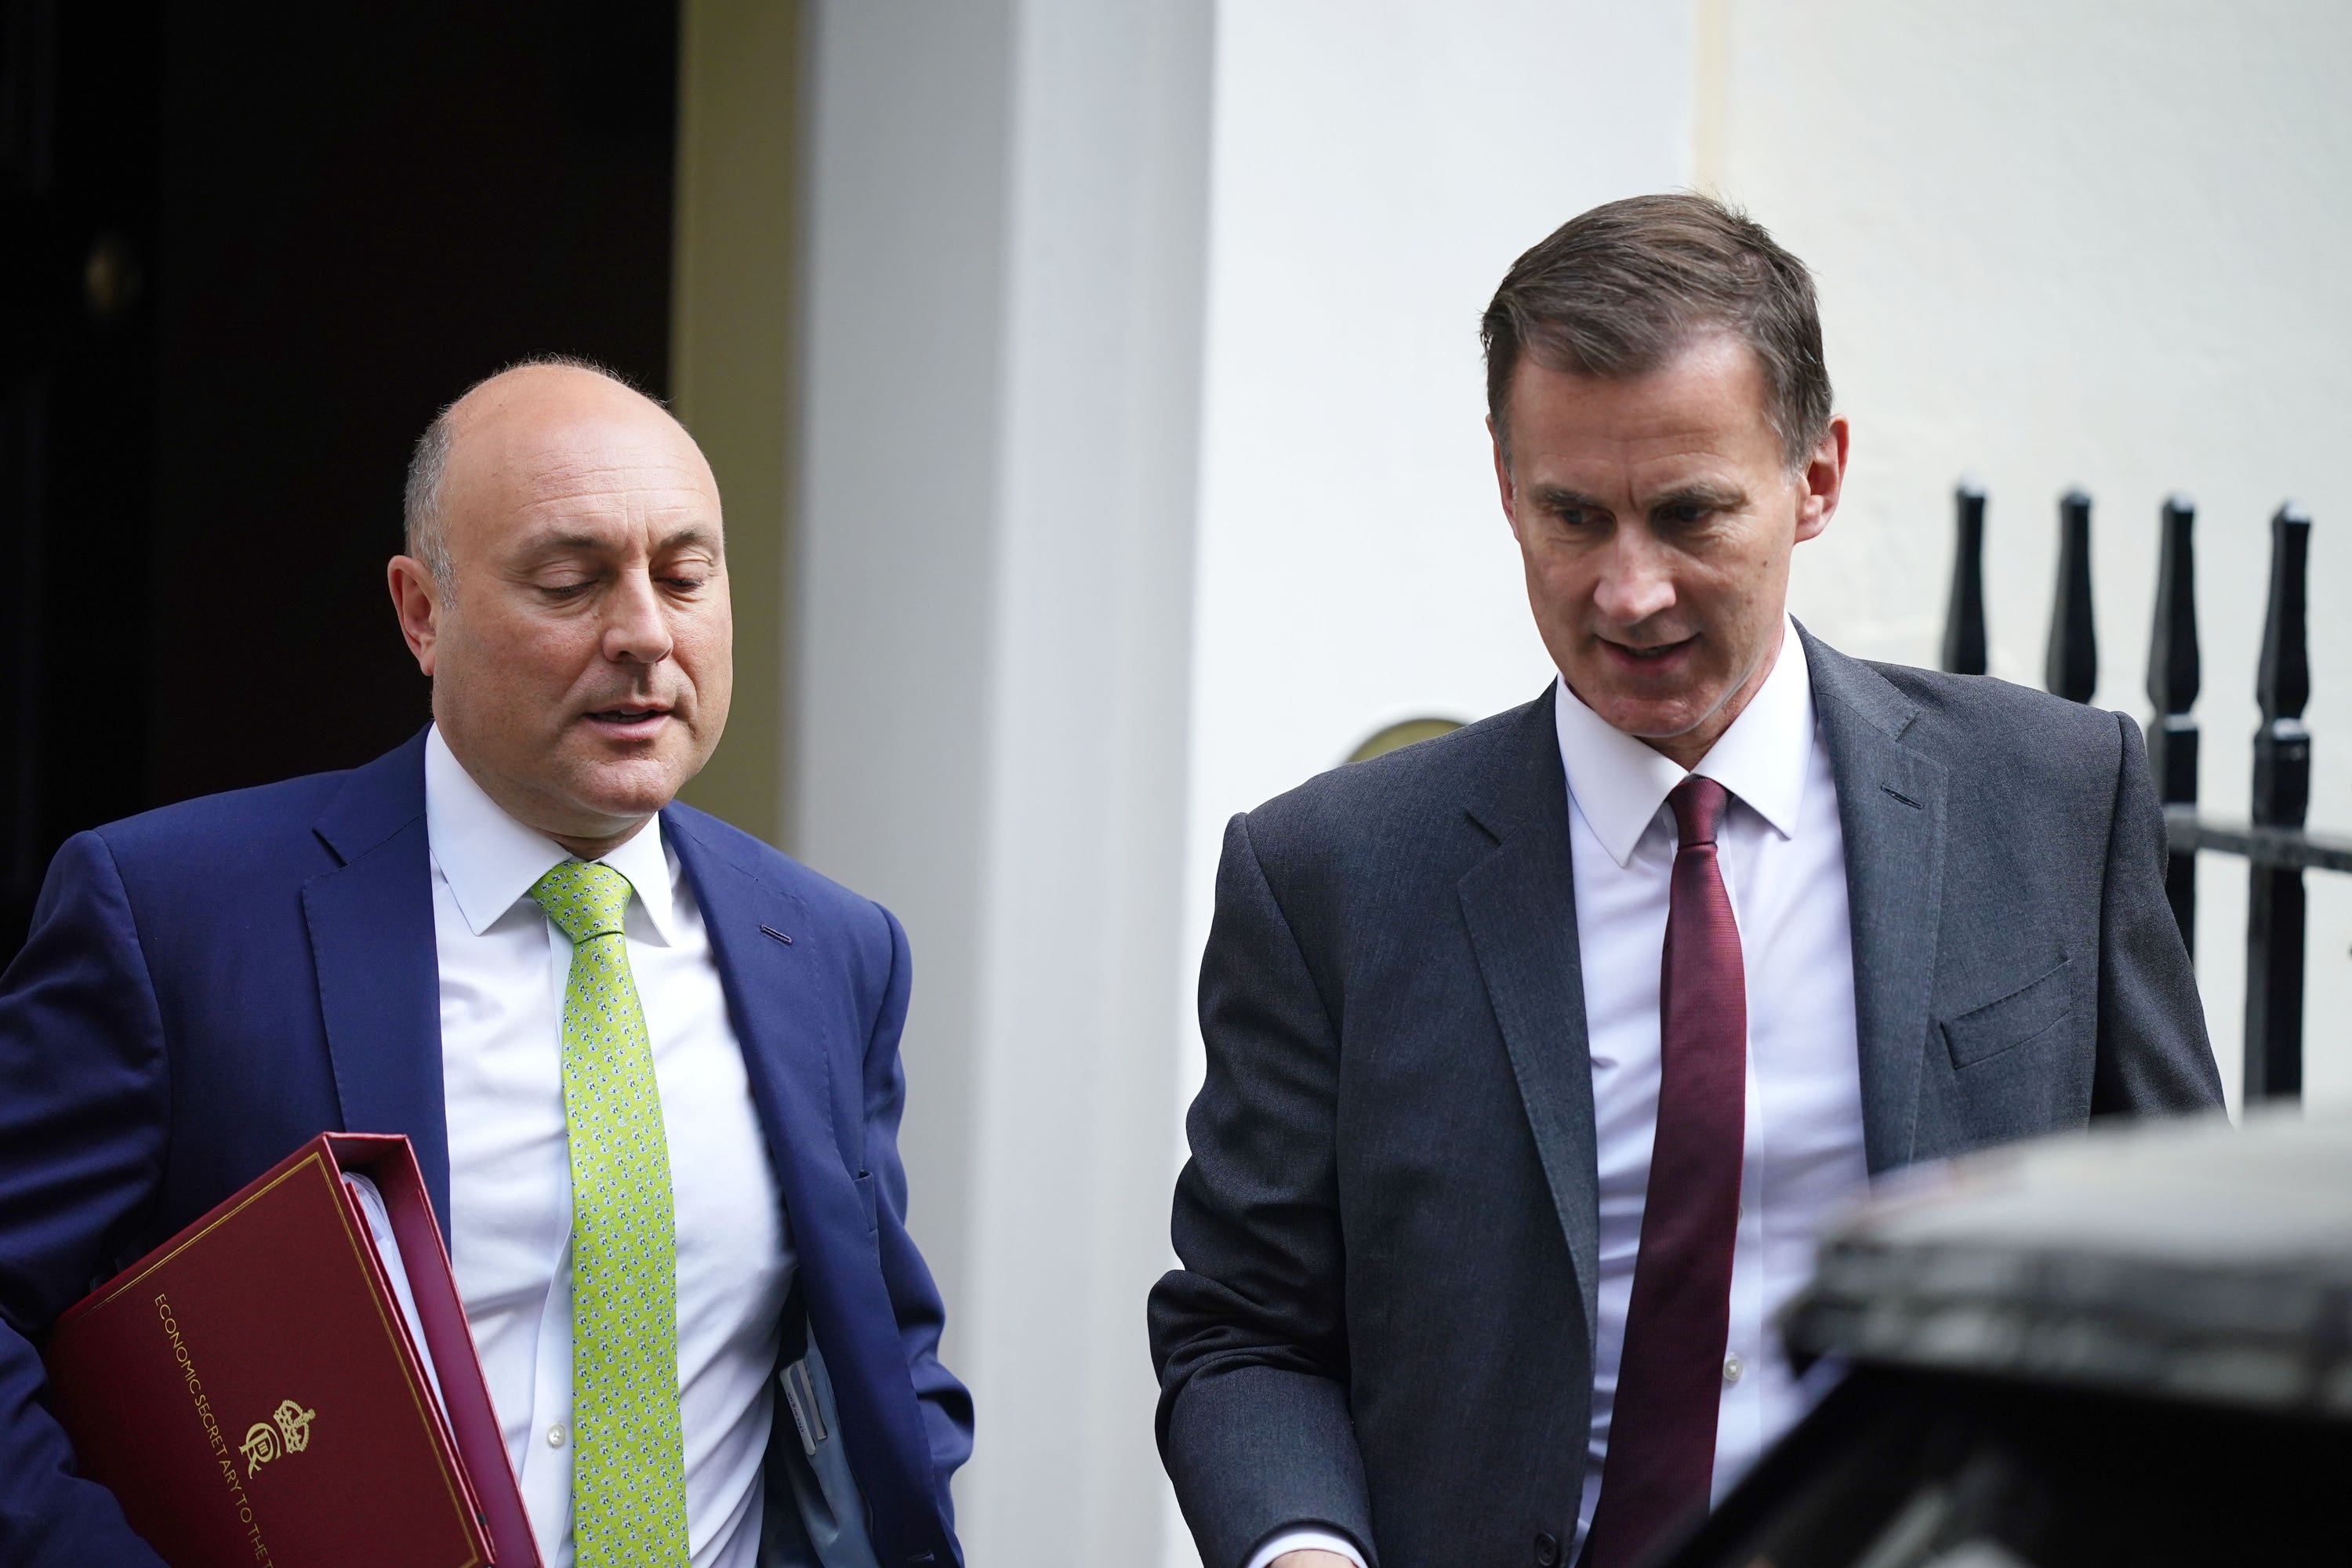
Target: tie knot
[[1699, 809], [584, 899]]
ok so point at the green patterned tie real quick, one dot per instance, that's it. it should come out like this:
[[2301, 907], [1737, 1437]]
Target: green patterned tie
[[628, 1464]]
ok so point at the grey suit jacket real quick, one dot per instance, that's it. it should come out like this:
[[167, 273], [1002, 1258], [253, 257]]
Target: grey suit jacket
[[1389, 1222]]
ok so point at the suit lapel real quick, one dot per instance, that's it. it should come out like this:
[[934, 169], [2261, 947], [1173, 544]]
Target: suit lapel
[[786, 1065], [1519, 903], [371, 924], [1891, 810], [791, 1019]]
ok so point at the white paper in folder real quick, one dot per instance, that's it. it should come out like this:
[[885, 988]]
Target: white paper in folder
[[387, 1251]]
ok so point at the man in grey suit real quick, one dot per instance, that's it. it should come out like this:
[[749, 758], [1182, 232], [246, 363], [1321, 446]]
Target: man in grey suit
[[1660, 968]]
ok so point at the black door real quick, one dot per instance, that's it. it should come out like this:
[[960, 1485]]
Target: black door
[[246, 251]]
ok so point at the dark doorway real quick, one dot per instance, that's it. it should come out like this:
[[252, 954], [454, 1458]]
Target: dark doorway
[[250, 250]]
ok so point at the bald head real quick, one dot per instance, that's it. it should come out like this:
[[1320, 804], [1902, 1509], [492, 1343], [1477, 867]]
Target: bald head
[[565, 589], [546, 386]]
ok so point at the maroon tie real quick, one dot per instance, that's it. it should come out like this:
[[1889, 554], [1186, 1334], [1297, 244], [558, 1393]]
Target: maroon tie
[[1660, 1459]]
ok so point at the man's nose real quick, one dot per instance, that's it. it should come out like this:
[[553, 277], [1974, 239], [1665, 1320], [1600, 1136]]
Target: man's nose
[[1636, 580], [635, 628]]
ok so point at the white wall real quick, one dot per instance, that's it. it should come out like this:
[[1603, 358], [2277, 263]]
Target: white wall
[[2071, 242], [1000, 389], [894, 525], [1079, 904], [1377, 168]]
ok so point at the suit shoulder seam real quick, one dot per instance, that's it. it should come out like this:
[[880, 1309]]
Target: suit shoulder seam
[[1257, 864]]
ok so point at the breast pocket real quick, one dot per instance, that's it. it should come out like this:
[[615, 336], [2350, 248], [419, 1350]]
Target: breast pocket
[[2006, 1023]]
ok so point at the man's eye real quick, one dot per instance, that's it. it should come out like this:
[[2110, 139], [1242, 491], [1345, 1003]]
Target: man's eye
[[686, 584], [1688, 512], [567, 590]]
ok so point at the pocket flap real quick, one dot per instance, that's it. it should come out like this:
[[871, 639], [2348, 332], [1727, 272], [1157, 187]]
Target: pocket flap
[[2011, 1020]]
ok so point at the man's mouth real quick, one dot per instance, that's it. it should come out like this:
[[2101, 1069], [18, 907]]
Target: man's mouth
[[628, 721], [1652, 653]]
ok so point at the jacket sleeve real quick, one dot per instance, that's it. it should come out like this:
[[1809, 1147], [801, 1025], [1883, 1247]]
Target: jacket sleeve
[[914, 1297], [1249, 1336], [84, 1102], [2154, 1055]]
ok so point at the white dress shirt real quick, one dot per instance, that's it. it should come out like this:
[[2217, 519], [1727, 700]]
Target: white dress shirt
[[503, 971], [1782, 856]]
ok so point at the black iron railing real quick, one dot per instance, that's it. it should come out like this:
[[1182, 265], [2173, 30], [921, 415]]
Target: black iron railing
[[2276, 845]]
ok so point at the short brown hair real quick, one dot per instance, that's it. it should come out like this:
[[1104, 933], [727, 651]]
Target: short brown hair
[[1617, 290]]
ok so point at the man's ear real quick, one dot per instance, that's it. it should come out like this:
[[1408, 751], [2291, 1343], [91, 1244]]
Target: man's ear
[[1503, 478], [416, 600], [1823, 478]]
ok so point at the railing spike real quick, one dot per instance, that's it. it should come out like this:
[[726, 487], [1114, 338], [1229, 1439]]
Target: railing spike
[[2071, 670], [2283, 684], [1964, 618], [2275, 921], [2173, 677]]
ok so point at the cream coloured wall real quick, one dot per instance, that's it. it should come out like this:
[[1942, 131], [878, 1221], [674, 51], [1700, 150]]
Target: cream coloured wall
[[733, 296], [2070, 242]]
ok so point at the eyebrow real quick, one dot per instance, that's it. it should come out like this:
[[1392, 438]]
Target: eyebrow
[[553, 544], [692, 535], [684, 539], [1703, 492], [1558, 498]]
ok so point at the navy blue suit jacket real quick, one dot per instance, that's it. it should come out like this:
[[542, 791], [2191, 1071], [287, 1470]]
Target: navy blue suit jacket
[[210, 984]]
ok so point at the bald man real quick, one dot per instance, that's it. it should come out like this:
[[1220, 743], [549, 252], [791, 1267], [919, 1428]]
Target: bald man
[[392, 949]]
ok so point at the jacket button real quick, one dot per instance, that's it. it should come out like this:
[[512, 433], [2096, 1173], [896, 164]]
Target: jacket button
[[1547, 1549]]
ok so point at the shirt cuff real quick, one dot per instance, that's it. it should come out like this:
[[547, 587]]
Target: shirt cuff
[[1307, 1541]]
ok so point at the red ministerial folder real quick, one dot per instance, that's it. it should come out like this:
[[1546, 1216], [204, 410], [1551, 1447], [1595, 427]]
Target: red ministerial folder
[[290, 1381]]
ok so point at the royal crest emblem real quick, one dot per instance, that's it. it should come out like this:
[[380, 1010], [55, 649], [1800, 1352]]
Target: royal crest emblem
[[290, 1435]]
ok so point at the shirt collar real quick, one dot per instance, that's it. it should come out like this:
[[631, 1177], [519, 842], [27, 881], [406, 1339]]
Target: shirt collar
[[1618, 783], [490, 860]]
